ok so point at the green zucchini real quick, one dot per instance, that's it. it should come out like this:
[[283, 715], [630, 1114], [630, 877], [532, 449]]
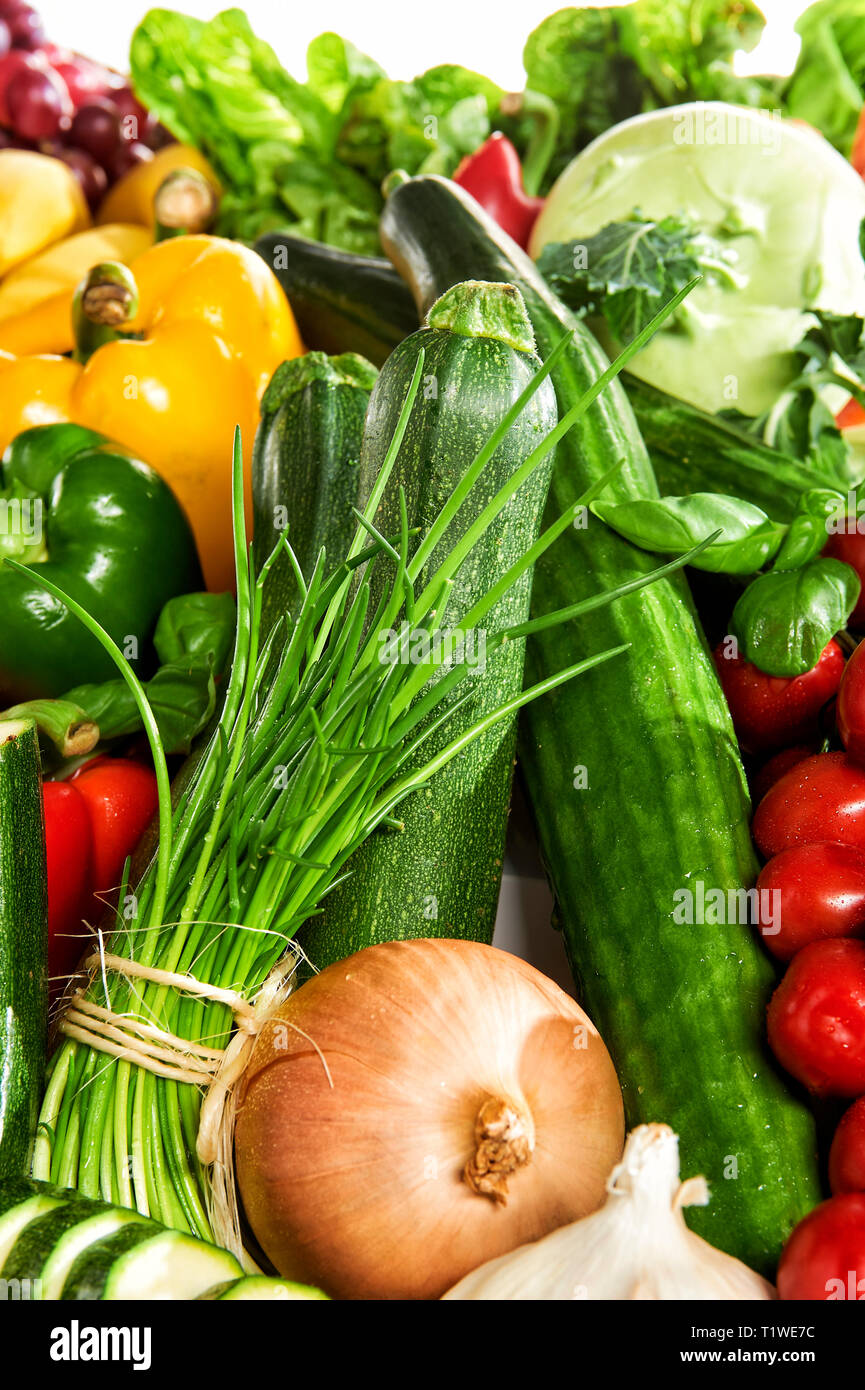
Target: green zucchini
[[258, 1288], [342, 302], [440, 875], [59, 1244], [637, 788], [305, 466], [693, 451], [48, 1246], [23, 942], [18, 1207], [145, 1261]]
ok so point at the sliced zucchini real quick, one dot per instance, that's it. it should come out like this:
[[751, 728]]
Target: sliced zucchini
[[259, 1286], [16, 1217], [48, 1247], [143, 1261]]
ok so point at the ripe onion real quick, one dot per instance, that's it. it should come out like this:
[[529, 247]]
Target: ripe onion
[[417, 1109]]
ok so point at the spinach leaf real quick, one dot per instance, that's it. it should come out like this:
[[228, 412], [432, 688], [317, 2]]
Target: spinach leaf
[[672, 525], [784, 619]]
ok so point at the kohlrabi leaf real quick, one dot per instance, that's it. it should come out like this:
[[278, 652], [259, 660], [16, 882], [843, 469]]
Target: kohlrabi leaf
[[627, 269]]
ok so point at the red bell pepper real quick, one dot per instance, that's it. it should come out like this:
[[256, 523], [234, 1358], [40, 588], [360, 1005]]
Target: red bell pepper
[[68, 848], [493, 175], [93, 822]]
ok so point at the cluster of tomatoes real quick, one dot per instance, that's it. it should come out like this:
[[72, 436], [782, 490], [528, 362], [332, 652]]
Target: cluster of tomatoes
[[809, 826]]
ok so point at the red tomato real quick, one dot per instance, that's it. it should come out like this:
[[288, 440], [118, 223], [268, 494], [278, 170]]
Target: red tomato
[[820, 893], [847, 1154], [68, 847], [774, 711], [824, 1259], [821, 798], [774, 769], [850, 710], [849, 545], [121, 799], [817, 1018]]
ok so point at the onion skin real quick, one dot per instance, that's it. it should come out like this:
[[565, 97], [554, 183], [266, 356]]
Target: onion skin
[[358, 1188]]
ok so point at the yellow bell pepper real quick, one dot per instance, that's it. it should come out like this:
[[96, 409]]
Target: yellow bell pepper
[[36, 295], [40, 203], [132, 197], [214, 326]]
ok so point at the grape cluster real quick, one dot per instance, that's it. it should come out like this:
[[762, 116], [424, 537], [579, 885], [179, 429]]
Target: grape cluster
[[66, 105]]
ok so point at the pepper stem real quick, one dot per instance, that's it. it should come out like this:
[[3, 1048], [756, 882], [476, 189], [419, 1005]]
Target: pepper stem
[[484, 309], [104, 304], [545, 118], [185, 204], [503, 1144]]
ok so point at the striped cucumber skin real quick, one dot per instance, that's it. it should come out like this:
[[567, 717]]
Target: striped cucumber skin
[[23, 942], [440, 875], [692, 451], [680, 1007], [305, 467], [342, 302]]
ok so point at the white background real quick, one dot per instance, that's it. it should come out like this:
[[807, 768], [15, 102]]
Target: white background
[[484, 35]]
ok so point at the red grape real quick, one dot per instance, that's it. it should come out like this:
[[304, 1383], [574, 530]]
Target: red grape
[[86, 80], [10, 65], [91, 176], [38, 104], [5, 38], [127, 157], [96, 129], [25, 28], [135, 121]]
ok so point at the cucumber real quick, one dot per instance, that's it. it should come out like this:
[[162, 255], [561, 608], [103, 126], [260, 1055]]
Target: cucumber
[[440, 875], [146, 1262], [637, 789], [342, 302], [23, 942], [47, 1248], [259, 1287], [305, 472], [693, 451]]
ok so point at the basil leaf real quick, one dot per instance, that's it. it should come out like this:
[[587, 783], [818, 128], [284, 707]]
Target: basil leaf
[[809, 528], [672, 525], [195, 625], [182, 694], [784, 619]]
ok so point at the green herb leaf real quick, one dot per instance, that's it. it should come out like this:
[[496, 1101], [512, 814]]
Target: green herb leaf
[[784, 619], [832, 353], [808, 528], [193, 640], [601, 65], [672, 525], [628, 268]]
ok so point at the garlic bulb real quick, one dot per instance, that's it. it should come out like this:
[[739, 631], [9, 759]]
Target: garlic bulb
[[636, 1246]]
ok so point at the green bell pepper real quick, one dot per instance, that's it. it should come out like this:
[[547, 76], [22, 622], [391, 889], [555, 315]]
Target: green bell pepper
[[105, 528]]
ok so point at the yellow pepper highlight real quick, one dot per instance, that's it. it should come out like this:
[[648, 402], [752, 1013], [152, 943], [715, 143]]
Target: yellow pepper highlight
[[40, 203], [214, 326]]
